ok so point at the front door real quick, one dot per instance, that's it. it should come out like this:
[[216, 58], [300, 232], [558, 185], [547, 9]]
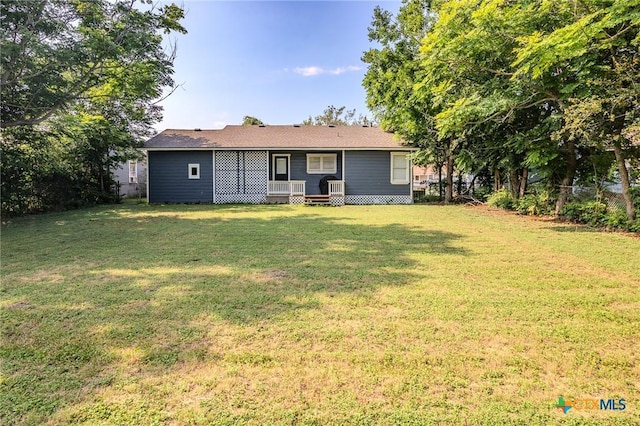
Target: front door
[[280, 167]]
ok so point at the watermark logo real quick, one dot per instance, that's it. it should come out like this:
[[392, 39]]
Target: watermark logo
[[563, 405], [591, 404]]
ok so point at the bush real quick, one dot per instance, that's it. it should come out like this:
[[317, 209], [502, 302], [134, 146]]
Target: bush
[[502, 199], [527, 204], [537, 203], [482, 193], [635, 196], [428, 198], [593, 213], [617, 218]]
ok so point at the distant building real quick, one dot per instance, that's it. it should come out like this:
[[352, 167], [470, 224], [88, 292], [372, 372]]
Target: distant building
[[131, 177], [425, 178]]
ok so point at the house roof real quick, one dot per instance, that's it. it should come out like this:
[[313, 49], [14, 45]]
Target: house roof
[[277, 137]]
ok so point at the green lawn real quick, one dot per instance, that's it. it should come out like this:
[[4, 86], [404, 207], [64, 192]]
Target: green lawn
[[200, 314]]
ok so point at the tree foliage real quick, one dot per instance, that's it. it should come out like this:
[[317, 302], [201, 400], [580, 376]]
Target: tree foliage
[[337, 116], [251, 121], [80, 82], [550, 87]]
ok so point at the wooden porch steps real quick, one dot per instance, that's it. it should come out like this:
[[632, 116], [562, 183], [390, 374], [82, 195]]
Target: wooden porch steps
[[317, 199]]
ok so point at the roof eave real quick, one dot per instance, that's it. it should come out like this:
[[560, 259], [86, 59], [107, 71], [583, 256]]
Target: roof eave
[[278, 148]]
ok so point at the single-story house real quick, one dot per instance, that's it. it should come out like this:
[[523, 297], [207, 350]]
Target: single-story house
[[289, 164]]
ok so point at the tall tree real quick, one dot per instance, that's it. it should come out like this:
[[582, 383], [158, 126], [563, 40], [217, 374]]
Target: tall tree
[[80, 84], [598, 43], [498, 121], [554, 73], [393, 71], [54, 51]]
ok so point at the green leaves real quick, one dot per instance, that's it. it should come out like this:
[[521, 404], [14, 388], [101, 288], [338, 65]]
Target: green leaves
[[516, 84], [54, 51], [336, 116], [80, 80]]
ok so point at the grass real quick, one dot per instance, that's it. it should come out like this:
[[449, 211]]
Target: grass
[[200, 314]]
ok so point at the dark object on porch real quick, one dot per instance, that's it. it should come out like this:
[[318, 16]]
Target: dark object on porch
[[324, 184]]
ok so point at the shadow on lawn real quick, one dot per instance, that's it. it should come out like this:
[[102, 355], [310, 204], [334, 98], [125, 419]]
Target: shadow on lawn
[[245, 269], [162, 278]]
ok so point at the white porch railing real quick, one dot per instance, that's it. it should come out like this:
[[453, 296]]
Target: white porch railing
[[336, 187], [286, 187]]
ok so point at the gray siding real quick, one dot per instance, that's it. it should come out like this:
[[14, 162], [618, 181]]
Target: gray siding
[[169, 180], [121, 175], [299, 169], [369, 173]]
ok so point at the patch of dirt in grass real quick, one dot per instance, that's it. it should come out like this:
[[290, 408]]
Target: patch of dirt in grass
[[42, 277], [276, 275], [19, 305], [625, 306]]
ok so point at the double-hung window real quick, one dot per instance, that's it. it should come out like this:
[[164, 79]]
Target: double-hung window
[[133, 171], [322, 164], [400, 168]]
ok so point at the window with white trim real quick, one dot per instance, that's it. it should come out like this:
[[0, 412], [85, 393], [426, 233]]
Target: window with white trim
[[400, 168], [194, 171], [322, 163], [133, 171]]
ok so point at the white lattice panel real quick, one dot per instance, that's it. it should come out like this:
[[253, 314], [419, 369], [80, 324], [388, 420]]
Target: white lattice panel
[[241, 177], [378, 199], [296, 199], [226, 183], [226, 160], [256, 160], [255, 182], [241, 198], [337, 200]]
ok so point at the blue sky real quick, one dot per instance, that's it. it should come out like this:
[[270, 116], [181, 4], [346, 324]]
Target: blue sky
[[280, 61]]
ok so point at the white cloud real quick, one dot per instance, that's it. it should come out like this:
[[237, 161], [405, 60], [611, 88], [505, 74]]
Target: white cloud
[[308, 71], [342, 70], [313, 71]]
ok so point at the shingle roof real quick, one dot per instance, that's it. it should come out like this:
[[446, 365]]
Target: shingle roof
[[277, 137]]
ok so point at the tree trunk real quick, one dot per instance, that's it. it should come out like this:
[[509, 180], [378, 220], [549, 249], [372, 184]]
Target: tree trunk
[[439, 180], [523, 182], [567, 181], [448, 191], [459, 188], [497, 180], [101, 174], [472, 185], [514, 183], [624, 180]]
